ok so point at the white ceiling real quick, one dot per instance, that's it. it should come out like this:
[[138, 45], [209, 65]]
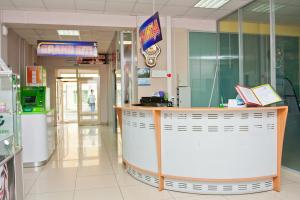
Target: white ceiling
[[175, 8], [32, 33]]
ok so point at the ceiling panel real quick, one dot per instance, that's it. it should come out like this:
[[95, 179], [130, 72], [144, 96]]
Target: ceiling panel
[[218, 14], [118, 7], [6, 4], [174, 10], [198, 12], [59, 4], [34, 4], [145, 8], [91, 5], [189, 3]]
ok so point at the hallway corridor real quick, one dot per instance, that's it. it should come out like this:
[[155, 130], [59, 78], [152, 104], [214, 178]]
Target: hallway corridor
[[87, 166]]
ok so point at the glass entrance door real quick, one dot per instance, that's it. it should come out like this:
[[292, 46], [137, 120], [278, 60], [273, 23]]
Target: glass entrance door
[[88, 101]]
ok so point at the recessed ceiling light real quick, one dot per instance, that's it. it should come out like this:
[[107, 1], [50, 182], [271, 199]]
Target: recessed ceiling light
[[265, 8], [211, 3], [68, 32]]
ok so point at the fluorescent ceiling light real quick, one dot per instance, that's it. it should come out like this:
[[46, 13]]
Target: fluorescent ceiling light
[[211, 3], [265, 8], [68, 32]]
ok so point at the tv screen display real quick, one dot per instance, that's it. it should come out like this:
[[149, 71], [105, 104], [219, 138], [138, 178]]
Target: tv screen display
[[30, 99]]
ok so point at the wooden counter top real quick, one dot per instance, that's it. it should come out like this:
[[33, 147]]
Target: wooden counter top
[[145, 108]]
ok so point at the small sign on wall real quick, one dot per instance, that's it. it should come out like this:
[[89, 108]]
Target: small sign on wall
[[35, 76], [159, 74]]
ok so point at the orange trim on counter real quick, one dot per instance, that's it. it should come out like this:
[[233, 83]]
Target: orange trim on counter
[[281, 124], [157, 123]]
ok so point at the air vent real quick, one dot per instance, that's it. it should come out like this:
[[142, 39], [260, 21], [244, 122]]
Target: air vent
[[182, 116], [243, 128], [140, 175], [212, 116], [228, 128], [212, 188], [255, 186], [227, 188], [228, 115], [258, 126], [197, 128], [169, 183], [244, 115], [213, 128], [142, 125], [151, 126], [148, 178], [181, 128], [197, 187], [134, 124], [196, 116], [257, 115], [168, 127], [268, 184], [167, 115], [182, 185], [134, 114], [242, 187], [270, 126], [271, 114]]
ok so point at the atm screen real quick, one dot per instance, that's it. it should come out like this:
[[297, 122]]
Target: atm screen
[[29, 99]]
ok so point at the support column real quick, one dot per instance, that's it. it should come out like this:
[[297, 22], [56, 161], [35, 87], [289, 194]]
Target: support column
[[272, 44], [241, 47], [169, 57]]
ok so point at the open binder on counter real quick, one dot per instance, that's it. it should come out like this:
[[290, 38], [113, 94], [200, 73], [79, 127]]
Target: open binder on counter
[[262, 95]]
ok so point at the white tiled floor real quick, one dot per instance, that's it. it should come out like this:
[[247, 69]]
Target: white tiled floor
[[87, 166]]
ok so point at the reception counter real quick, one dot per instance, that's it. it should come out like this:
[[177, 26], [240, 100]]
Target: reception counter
[[204, 150], [38, 137]]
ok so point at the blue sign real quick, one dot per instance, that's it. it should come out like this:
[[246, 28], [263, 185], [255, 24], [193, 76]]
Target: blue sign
[[67, 48], [150, 32]]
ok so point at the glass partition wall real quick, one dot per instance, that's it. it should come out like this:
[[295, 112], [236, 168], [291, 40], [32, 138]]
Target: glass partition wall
[[260, 43], [287, 31]]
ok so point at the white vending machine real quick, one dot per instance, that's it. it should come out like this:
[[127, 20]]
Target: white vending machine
[[184, 97]]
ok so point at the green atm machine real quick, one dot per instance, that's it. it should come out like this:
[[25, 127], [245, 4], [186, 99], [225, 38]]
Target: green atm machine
[[34, 99]]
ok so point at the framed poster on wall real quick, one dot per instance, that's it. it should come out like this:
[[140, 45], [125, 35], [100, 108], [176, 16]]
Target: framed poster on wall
[[143, 76]]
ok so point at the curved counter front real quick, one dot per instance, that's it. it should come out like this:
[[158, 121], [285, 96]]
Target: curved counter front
[[204, 150]]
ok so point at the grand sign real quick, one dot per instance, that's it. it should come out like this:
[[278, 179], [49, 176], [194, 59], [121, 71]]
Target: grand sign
[[67, 48]]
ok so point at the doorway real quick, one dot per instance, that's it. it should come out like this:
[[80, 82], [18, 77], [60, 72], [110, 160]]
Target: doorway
[[78, 96]]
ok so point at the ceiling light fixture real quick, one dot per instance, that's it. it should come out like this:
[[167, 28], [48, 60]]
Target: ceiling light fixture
[[68, 32], [265, 8], [211, 3]]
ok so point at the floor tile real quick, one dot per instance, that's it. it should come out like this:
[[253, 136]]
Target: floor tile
[[28, 183], [112, 193], [100, 169], [124, 179], [90, 182], [52, 185], [59, 173], [144, 192], [51, 196], [182, 195]]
